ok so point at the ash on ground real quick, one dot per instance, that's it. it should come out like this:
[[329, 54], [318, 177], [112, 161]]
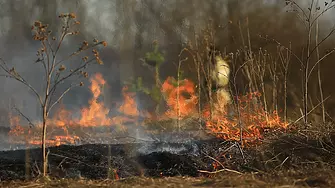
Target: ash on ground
[[130, 159]]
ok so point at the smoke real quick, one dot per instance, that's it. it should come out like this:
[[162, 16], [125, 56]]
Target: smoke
[[18, 49], [129, 27]]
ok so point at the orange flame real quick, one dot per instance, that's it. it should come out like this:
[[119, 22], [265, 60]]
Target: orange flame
[[179, 106], [96, 114], [129, 110], [250, 119]]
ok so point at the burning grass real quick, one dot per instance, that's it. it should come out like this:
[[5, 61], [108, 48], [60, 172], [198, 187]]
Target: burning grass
[[249, 118], [65, 127], [242, 151], [249, 123]]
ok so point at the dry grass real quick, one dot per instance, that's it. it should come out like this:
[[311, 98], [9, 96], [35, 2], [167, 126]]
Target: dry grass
[[321, 178]]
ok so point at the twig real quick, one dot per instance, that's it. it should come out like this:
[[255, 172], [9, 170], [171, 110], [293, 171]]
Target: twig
[[215, 160], [281, 164], [71, 74], [319, 61], [75, 54], [60, 164], [240, 148], [218, 171], [37, 169], [21, 114], [230, 147], [303, 116], [31, 185], [61, 96], [14, 75], [76, 160]]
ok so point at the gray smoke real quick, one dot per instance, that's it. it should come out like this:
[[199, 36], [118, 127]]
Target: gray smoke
[[18, 48], [129, 27]]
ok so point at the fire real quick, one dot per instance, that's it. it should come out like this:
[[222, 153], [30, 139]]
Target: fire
[[96, 114], [16, 129], [129, 107], [129, 110], [184, 106], [248, 122], [62, 126]]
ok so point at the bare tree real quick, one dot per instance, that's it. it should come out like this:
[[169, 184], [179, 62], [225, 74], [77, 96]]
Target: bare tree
[[55, 71], [310, 19]]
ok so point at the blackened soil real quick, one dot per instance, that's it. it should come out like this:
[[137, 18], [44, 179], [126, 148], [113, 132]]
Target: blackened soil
[[132, 159], [156, 159]]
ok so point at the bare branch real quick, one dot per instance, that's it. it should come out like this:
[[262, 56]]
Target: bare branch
[[289, 49], [71, 74], [75, 54], [304, 115], [319, 61], [310, 13], [48, 57], [239, 68], [218, 171], [54, 81], [300, 8], [324, 11], [50, 47], [323, 40], [21, 114], [4, 66], [61, 96], [16, 76], [44, 66], [63, 35]]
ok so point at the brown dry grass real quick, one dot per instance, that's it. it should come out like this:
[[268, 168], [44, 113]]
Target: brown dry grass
[[320, 178]]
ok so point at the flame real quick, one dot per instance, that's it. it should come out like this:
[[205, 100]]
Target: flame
[[129, 110], [96, 114], [129, 106], [179, 106], [248, 122]]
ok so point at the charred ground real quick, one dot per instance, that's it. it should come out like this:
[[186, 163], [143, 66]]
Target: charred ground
[[286, 160]]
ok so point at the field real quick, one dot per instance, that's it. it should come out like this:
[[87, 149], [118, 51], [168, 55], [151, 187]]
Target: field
[[322, 178], [167, 94], [287, 161]]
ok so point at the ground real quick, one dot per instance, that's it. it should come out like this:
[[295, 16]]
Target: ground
[[321, 178], [288, 160]]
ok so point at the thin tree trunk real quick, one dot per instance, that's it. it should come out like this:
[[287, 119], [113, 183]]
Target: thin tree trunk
[[44, 134], [307, 65], [45, 118], [319, 72]]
